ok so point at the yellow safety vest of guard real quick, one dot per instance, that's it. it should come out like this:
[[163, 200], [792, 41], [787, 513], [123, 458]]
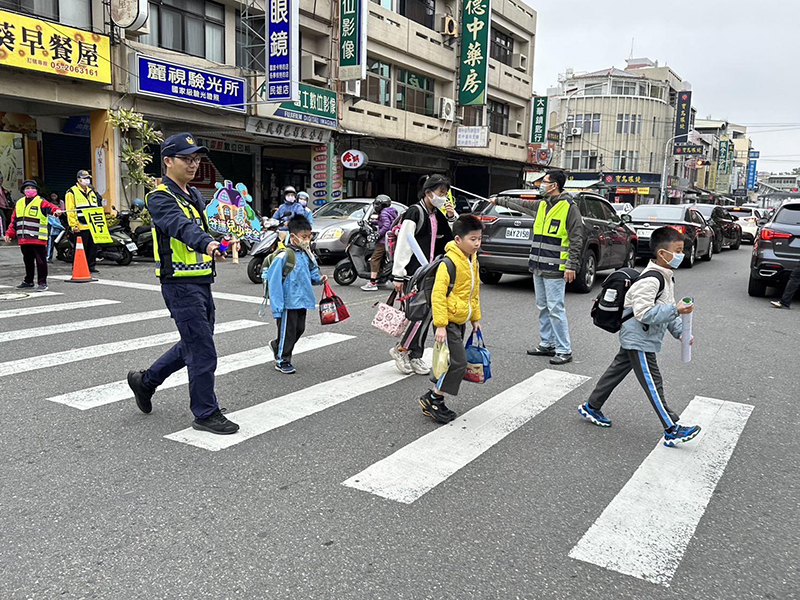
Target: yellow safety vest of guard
[[550, 246], [183, 261], [83, 201], [31, 221]]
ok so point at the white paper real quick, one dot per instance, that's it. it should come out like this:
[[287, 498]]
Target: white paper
[[686, 338]]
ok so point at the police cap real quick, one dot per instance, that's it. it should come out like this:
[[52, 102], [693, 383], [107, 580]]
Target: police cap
[[180, 143]]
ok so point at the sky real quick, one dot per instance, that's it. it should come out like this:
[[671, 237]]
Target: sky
[[742, 58]]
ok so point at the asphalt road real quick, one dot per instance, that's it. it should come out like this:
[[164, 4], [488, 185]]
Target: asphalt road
[[96, 503]]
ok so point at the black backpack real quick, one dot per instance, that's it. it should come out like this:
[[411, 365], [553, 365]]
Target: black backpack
[[609, 305], [420, 287]]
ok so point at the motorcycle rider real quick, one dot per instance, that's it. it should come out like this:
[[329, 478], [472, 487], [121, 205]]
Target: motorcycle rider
[[287, 210], [302, 200], [386, 214]]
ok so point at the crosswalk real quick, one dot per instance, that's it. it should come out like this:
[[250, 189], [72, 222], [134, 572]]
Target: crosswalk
[[626, 538]]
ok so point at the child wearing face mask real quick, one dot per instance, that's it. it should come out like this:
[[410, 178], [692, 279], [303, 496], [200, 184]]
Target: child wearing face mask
[[290, 293], [651, 302], [302, 200]]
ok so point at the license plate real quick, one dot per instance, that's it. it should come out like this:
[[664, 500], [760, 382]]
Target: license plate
[[644, 233], [130, 246], [518, 234]]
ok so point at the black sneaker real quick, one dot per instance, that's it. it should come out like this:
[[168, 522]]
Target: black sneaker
[[436, 410], [216, 423], [25, 285], [561, 359], [141, 392], [285, 368], [274, 345], [542, 351]]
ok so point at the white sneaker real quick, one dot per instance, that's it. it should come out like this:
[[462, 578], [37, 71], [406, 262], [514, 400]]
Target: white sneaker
[[370, 287], [419, 366], [402, 361]]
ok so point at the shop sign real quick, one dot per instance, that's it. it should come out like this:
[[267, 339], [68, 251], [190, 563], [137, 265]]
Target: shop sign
[[723, 166], [539, 120], [472, 137], [553, 136], [287, 131], [231, 146], [754, 154], [629, 178], [354, 159], [683, 116], [685, 148], [37, 45], [353, 40], [283, 50], [751, 174], [164, 79], [677, 183], [77, 125], [474, 69]]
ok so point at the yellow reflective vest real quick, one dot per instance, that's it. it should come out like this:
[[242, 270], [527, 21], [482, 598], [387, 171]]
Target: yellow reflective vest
[[550, 246], [31, 220], [75, 201], [180, 260]]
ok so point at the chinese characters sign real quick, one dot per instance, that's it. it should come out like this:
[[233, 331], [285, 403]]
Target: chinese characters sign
[[163, 79], [353, 40], [474, 69], [539, 120], [472, 137], [283, 49], [316, 106], [724, 166], [96, 218], [751, 174], [683, 148], [36, 45], [683, 116]]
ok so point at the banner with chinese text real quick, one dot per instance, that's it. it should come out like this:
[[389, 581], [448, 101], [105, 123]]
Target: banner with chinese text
[[353, 17], [724, 167], [38, 45], [96, 218], [751, 174], [283, 51], [683, 116], [539, 120], [474, 70]]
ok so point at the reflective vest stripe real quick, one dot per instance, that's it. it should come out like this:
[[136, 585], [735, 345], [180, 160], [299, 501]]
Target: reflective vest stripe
[[550, 252], [31, 221], [83, 201]]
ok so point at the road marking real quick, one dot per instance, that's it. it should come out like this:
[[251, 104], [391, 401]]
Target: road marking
[[22, 334], [272, 414], [30, 294], [646, 529], [116, 391], [157, 288], [37, 310], [420, 466], [54, 359]]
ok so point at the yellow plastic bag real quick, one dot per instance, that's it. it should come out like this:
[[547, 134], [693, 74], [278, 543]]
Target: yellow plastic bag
[[441, 359]]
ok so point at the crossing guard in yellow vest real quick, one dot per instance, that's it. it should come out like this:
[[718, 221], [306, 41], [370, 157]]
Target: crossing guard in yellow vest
[[80, 197], [185, 253], [29, 225]]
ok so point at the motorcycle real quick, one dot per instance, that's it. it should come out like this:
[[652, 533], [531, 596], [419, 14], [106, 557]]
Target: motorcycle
[[266, 246], [360, 247], [120, 250], [142, 236]]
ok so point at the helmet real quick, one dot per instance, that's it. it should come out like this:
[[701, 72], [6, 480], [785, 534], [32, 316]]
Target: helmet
[[382, 201], [138, 203], [302, 195], [289, 190]]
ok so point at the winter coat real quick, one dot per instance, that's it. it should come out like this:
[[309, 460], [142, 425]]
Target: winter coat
[[405, 264], [295, 291], [464, 303], [653, 315], [287, 210], [385, 220], [47, 209]]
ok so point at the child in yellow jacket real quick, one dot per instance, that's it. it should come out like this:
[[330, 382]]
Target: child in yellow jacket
[[452, 312]]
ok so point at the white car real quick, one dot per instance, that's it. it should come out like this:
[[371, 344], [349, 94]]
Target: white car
[[748, 217]]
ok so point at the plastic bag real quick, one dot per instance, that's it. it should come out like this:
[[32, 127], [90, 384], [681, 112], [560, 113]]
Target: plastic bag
[[331, 307], [479, 361], [441, 359]]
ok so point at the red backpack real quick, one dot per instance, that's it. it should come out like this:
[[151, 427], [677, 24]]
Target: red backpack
[[394, 231]]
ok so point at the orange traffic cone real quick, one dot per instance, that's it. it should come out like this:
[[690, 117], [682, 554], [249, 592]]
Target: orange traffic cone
[[80, 268]]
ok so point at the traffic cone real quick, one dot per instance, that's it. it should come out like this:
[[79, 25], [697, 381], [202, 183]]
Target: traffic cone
[[80, 268]]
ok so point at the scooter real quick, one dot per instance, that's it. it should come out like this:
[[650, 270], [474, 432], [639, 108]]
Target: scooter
[[120, 250], [360, 247], [142, 236], [266, 246]]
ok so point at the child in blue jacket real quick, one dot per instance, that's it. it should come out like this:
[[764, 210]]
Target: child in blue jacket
[[291, 297]]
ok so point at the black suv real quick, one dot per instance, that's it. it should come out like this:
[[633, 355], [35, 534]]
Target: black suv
[[776, 251], [727, 232], [609, 243]]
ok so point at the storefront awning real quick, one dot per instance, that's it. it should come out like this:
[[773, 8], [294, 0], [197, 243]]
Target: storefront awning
[[575, 184]]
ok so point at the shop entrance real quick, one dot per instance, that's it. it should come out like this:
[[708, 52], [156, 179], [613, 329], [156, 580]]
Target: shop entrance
[[62, 157]]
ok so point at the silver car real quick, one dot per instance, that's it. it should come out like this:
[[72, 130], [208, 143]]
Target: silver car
[[335, 222]]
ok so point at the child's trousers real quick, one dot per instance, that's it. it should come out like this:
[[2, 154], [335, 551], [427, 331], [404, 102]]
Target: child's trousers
[[290, 327], [450, 382], [645, 366]]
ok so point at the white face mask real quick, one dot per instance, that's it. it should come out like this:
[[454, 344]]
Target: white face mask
[[290, 199], [544, 189], [303, 202], [84, 182], [438, 201]]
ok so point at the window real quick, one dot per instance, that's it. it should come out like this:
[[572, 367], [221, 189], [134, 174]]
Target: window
[[250, 51], [594, 209], [419, 11], [590, 123], [76, 13], [498, 117], [383, 3], [379, 82], [652, 161], [654, 127], [594, 89], [626, 160], [414, 93], [473, 116], [195, 27], [585, 160], [623, 88], [501, 47], [629, 124]]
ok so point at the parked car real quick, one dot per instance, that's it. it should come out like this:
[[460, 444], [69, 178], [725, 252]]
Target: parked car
[[749, 217], [609, 243], [776, 250], [335, 222], [698, 236], [727, 232]]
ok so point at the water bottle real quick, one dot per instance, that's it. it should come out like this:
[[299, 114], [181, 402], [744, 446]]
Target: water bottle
[[223, 245]]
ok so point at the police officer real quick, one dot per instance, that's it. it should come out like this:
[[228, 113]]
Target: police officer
[[184, 253], [81, 196]]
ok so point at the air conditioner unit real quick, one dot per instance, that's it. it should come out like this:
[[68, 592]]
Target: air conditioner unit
[[353, 88], [447, 109], [576, 131], [314, 69], [519, 62], [447, 25], [518, 129]]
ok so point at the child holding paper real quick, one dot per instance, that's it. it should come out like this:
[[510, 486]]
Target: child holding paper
[[655, 313]]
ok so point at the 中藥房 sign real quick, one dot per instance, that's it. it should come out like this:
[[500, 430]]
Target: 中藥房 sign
[[164, 79], [283, 49], [37, 45], [539, 120], [353, 39], [474, 69]]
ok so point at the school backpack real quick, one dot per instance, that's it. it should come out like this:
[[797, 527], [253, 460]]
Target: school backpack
[[420, 288], [394, 231], [288, 267], [609, 305]]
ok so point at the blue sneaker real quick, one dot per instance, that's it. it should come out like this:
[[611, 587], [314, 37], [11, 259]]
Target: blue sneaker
[[285, 368], [680, 435], [593, 415]]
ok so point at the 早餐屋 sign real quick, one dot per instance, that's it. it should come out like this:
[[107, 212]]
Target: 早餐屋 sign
[[38, 45], [283, 49], [316, 106], [539, 120], [683, 116], [474, 69], [164, 79], [353, 39]]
